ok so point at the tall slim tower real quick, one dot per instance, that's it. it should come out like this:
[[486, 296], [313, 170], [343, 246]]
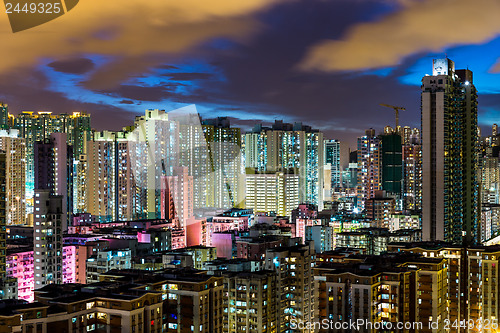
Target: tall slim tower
[[53, 167], [332, 157], [48, 249], [392, 163], [177, 196], [224, 188], [158, 137], [4, 116], [15, 149], [369, 166], [3, 220], [449, 155]]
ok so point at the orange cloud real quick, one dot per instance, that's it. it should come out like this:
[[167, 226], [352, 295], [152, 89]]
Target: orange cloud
[[496, 67], [139, 28], [421, 25]]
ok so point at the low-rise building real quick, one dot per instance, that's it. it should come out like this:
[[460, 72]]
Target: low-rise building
[[193, 256], [107, 260]]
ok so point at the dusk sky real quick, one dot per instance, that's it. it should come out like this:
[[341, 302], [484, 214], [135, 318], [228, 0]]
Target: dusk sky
[[327, 63]]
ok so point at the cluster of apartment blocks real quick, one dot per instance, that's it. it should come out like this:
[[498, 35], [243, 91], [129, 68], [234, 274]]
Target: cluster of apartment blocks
[[89, 249], [177, 299], [162, 160], [172, 165], [419, 283], [413, 283]]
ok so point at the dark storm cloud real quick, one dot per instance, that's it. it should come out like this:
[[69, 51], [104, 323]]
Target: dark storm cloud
[[126, 101], [73, 66], [189, 76], [245, 78], [167, 67], [29, 91], [153, 94], [488, 113], [342, 105], [388, 40]]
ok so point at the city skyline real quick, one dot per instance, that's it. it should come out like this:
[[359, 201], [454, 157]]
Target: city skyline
[[252, 62], [233, 166]]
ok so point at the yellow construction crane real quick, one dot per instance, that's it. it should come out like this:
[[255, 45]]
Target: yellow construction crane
[[396, 110]]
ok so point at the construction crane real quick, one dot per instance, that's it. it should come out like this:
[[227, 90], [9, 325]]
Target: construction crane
[[396, 110]]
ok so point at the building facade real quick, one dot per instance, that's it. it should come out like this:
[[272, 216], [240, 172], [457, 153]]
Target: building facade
[[449, 155], [48, 238], [15, 181], [369, 167], [272, 192]]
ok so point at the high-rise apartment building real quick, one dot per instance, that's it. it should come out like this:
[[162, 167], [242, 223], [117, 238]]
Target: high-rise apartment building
[[4, 116], [193, 300], [376, 294], [490, 221], [379, 209], [332, 157], [296, 280], [369, 166], [8, 284], [15, 150], [115, 308], [410, 135], [489, 170], [38, 127], [156, 155], [285, 146], [110, 177], [252, 302], [48, 238], [53, 166], [177, 196], [412, 176], [224, 183], [272, 192], [256, 149], [392, 164], [193, 151], [3, 219], [470, 283], [80, 183], [449, 154]]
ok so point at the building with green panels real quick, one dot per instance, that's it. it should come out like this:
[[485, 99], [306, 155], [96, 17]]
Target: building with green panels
[[392, 163], [4, 116]]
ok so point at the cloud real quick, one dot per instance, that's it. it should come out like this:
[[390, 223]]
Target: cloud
[[129, 29], [421, 25], [118, 70], [155, 94], [496, 67], [73, 66], [29, 90], [126, 101], [188, 76]]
